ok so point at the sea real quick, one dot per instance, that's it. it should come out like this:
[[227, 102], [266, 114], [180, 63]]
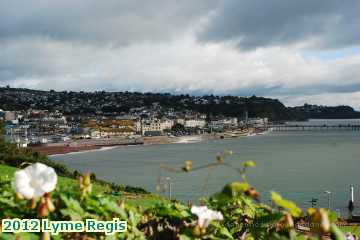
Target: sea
[[300, 165]]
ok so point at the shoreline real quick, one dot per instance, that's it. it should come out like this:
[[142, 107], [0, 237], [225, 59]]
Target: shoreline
[[79, 146], [90, 145]]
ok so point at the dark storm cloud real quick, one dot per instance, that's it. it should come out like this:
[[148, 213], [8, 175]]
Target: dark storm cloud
[[183, 46], [119, 22], [258, 23]]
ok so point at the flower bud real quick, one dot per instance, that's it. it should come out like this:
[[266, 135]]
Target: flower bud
[[33, 203], [45, 236], [325, 222], [196, 231], [289, 222], [50, 205], [188, 166], [251, 192], [81, 180], [320, 221], [87, 179], [19, 196], [43, 211], [122, 204]]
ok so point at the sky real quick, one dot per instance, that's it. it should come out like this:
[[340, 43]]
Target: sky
[[297, 51]]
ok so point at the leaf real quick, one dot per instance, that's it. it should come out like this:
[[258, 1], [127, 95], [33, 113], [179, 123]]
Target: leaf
[[249, 164], [115, 208], [235, 189], [184, 237], [224, 232], [337, 233], [311, 211], [268, 220], [294, 210], [332, 216], [74, 216], [74, 209]]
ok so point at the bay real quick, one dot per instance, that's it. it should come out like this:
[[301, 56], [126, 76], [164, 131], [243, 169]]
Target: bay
[[298, 165]]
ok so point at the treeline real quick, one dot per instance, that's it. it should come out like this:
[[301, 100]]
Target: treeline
[[115, 103], [324, 112]]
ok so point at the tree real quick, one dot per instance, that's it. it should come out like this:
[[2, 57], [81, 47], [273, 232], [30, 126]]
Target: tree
[[178, 128], [2, 130]]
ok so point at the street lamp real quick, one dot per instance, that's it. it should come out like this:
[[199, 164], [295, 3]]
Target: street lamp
[[168, 181], [329, 198]]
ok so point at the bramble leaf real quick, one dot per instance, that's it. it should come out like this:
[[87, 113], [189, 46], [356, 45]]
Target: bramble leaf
[[294, 210], [249, 164]]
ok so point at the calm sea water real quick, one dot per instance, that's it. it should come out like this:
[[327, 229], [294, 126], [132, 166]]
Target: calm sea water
[[299, 165]]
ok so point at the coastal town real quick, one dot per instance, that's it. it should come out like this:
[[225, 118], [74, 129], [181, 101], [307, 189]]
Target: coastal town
[[53, 132], [57, 122]]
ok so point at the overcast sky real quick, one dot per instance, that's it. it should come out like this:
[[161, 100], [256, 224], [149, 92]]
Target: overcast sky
[[297, 51]]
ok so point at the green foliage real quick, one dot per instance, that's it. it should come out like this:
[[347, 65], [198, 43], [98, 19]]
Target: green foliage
[[235, 189], [249, 164], [178, 128], [244, 216], [294, 210], [2, 130]]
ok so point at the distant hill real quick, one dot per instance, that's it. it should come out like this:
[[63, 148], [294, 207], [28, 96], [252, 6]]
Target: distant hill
[[114, 103], [325, 112]]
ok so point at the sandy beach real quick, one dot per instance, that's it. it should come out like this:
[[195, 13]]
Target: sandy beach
[[85, 145], [97, 144]]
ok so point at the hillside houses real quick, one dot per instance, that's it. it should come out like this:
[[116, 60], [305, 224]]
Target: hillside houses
[[44, 126]]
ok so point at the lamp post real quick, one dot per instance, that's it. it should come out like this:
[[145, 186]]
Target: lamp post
[[313, 202], [351, 201], [168, 181], [328, 193]]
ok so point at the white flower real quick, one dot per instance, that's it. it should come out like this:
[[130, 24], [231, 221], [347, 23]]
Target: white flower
[[205, 215], [35, 180], [350, 236]]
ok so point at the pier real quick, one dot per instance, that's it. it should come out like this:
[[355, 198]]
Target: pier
[[325, 127]]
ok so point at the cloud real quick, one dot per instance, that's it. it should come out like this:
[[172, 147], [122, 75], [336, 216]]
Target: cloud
[[256, 23], [181, 65], [111, 22], [329, 99], [197, 47]]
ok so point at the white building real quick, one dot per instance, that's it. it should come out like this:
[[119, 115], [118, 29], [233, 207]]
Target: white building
[[180, 121], [151, 126], [138, 126], [257, 122], [166, 124], [226, 122], [193, 123]]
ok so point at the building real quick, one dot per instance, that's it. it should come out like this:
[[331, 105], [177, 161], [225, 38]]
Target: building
[[195, 123], [151, 127], [10, 116], [224, 123], [180, 121], [167, 124], [257, 122]]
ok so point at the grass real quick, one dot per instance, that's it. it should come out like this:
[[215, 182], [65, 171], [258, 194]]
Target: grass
[[72, 185], [353, 229]]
